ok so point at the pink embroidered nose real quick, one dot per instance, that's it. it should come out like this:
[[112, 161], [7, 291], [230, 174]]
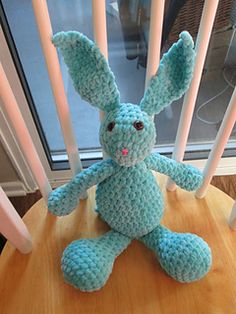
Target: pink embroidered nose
[[124, 151]]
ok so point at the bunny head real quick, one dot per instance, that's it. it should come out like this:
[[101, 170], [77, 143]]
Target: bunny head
[[127, 132]]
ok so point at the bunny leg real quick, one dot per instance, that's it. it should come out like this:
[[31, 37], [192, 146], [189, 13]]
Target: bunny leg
[[87, 263], [184, 256]]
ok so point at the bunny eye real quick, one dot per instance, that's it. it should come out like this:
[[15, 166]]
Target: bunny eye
[[138, 125], [110, 126]]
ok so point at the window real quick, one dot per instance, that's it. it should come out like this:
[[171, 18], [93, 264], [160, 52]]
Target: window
[[128, 25]]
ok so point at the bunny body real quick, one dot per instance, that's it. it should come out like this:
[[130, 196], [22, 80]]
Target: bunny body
[[136, 207], [128, 197]]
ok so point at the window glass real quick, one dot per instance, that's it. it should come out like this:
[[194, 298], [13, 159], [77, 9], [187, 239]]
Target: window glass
[[128, 31]]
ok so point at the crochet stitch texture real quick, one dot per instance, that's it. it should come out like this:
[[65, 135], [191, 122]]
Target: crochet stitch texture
[[128, 197]]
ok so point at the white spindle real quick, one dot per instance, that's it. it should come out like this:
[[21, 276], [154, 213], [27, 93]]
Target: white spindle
[[12, 226], [219, 145], [100, 36], [100, 26], [155, 34], [26, 143], [53, 66], [203, 38], [232, 218], [100, 30]]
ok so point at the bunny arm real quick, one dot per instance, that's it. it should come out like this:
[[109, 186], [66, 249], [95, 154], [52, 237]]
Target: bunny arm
[[185, 176], [64, 199]]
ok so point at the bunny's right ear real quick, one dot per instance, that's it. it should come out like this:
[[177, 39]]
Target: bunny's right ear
[[89, 70], [173, 76]]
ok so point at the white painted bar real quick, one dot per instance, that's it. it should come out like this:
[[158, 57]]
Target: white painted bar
[[53, 66], [100, 30], [203, 38], [219, 145], [232, 218], [22, 133], [155, 35], [100, 37], [100, 25], [12, 226]]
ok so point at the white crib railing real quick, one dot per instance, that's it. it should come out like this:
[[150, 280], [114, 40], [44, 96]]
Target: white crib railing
[[202, 42], [53, 66], [154, 45], [12, 226], [100, 34], [219, 145]]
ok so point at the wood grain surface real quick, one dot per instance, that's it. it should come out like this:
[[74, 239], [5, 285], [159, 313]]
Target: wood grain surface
[[33, 283], [226, 184]]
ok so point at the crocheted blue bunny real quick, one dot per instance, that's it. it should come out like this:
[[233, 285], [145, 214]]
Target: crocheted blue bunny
[[128, 197]]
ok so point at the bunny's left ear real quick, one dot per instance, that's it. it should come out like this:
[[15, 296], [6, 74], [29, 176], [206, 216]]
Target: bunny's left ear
[[89, 70], [173, 76]]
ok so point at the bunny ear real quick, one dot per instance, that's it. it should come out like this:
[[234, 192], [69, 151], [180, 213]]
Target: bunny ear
[[89, 70], [173, 77]]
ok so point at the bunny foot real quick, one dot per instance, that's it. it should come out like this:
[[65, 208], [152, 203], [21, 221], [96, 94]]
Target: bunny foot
[[88, 263], [184, 256]]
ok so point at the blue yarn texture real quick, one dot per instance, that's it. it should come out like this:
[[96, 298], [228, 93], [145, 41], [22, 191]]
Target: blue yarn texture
[[128, 197]]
